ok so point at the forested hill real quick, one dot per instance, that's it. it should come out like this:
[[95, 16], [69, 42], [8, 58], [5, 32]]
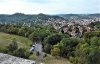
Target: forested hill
[[79, 16], [20, 17]]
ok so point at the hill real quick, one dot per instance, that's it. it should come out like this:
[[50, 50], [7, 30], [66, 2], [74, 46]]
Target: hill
[[6, 39], [79, 16], [20, 17]]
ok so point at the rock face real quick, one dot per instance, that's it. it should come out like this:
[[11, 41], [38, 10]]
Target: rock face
[[8, 59]]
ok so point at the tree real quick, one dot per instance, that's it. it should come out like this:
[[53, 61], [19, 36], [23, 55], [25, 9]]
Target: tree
[[69, 45], [91, 34], [12, 47], [62, 49], [94, 55], [53, 39], [47, 48], [34, 36], [27, 34], [89, 52], [22, 31], [19, 52], [95, 41], [55, 51]]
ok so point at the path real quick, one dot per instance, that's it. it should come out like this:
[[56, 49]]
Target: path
[[39, 49]]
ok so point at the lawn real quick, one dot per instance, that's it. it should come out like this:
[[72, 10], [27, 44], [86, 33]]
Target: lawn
[[52, 60], [6, 39]]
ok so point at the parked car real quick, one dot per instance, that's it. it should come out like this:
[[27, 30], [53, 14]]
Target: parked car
[[32, 48]]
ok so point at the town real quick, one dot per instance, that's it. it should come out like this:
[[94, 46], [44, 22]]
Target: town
[[74, 25]]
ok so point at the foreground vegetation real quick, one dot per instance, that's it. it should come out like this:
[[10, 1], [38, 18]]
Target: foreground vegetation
[[6, 40], [85, 50], [52, 60]]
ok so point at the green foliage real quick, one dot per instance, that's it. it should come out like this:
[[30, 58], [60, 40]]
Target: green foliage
[[72, 59], [88, 35], [19, 52], [77, 50], [45, 55], [94, 55], [20, 17], [97, 24], [69, 47], [53, 39], [22, 52], [89, 52], [62, 49], [95, 41], [89, 55], [37, 53], [12, 47], [42, 33], [27, 54], [34, 36], [55, 51], [47, 48], [22, 31]]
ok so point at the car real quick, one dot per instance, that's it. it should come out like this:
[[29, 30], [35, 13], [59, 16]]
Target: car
[[32, 48], [33, 45]]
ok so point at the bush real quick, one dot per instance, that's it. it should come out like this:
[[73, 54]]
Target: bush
[[45, 55], [71, 59], [27, 54], [37, 53]]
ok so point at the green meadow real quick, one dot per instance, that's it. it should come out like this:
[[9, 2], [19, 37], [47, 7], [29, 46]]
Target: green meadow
[[6, 39]]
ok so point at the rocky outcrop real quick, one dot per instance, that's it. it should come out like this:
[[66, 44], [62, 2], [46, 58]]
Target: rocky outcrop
[[8, 59]]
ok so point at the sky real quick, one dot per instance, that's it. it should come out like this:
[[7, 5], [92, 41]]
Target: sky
[[49, 6]]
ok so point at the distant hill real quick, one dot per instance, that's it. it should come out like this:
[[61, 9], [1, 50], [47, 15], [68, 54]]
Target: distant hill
[[20, 17], [79, 16]]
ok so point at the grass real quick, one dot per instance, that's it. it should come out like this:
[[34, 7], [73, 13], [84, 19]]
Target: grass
[[33, 56], [52, 60], [6, 39]]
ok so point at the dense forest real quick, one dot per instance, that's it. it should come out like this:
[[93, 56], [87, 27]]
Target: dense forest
[[85, 50]]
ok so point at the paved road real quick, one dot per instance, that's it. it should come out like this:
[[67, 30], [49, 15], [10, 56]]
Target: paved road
[[39, 49]]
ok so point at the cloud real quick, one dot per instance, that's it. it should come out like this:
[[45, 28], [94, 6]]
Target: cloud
[[49, 6]]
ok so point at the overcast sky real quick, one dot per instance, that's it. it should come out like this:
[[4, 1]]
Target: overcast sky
[[49, 6]]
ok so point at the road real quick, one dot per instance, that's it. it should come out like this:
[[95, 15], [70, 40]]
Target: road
[[39, 49]]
